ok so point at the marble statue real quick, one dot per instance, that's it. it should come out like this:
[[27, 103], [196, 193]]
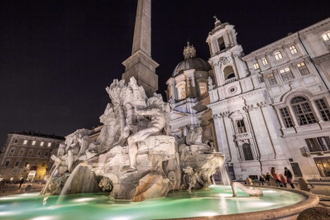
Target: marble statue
[[210, 83], [249, 190], [155, 111], [134, 156]]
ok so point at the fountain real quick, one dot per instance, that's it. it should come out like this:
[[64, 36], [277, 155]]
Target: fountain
[[136, 170]]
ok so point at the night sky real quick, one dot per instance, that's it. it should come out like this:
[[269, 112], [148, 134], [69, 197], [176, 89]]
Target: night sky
[[57, 57]]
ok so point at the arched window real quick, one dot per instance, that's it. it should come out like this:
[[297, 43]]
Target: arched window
[[278, 55], [303, 111], [247, 152], [229, 72]]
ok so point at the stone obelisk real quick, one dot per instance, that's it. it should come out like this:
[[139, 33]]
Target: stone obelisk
[[140, 64]]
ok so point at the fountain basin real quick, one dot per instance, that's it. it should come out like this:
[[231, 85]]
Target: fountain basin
[[215, 203]]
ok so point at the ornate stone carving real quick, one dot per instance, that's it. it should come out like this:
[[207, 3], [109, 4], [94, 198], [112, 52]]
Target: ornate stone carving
[[249, 108], [129, 154], [210, 84], [250, 191], [262, 104]]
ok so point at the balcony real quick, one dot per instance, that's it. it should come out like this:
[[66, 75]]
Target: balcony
[[229, 81], [243, 136]]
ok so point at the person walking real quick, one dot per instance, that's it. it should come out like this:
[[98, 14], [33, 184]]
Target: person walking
[[289, 177], [275, 176], [283, 180]]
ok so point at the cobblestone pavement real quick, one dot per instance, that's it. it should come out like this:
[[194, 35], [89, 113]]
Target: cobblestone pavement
[[322, 189], [12, 189]]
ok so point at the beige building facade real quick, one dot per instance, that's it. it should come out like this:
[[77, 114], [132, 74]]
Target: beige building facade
[[27, 154]]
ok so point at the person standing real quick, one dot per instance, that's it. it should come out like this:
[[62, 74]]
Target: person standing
[[275, 176], [21, 181], [289, 177], [262, 179]]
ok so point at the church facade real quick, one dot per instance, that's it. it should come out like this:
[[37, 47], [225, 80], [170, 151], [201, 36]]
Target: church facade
[[269, 108]]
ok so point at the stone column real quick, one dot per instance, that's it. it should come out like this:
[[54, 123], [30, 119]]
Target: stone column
[[221, 135]]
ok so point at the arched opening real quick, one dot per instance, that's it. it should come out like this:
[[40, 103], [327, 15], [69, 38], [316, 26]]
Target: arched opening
[[228, 72]]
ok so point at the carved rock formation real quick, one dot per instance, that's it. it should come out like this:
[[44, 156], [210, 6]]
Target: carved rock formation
[[249, 190]]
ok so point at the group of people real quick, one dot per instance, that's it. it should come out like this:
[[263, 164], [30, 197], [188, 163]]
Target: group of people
[[281, 179]]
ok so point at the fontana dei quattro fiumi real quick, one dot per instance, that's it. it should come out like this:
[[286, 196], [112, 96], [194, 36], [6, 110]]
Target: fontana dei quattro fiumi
[[154, 160]]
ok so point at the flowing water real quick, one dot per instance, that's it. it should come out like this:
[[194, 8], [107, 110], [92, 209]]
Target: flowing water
[[68, 183], [217, 200], [224, 175]]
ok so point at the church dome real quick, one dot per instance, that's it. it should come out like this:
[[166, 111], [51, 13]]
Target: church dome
[[191, 61]]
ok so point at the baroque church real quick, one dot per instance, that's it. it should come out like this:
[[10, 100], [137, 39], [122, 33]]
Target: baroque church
[[269, 108]]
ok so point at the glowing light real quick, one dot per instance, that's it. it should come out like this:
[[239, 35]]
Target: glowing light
[[44, 218], [270, 191], [7, 213], [259, 204], [83, 199], [208, 214]]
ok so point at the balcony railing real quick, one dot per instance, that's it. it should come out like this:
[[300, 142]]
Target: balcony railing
[[229, 81]]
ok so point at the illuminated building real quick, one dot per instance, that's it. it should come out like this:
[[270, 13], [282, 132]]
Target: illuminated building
[[27, 154], [270, 108]]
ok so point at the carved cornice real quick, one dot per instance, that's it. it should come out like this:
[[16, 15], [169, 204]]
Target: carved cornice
[[249, 108], [262, 104], [236, 98], [315, 26], [243, 136], [322, 58]]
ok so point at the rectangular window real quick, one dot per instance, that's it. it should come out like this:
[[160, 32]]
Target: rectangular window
[[326, 36], [202, 88], [49, 144], [241, 126], [25, 142], [15, 141], [318, 144], [256, 66], [286, 117], [16, 164], [33, 142], [286, 74], [293, 50], [303, 69], [261, 79], [41, 143], [264, 61], [7, 163], [278, 55], [271, 79], [46, 154], [323, 164], [323, 109]]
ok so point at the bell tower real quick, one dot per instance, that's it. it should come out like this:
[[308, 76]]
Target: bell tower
[[140, 64]]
